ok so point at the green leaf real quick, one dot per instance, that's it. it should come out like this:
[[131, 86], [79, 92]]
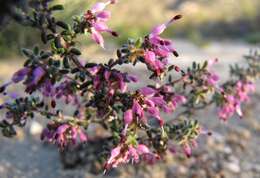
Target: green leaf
[[27, 52], [66, 62], [57, 42], [63, 25], [75, 51], [50, 36], [45, 55], [53, 46], [56, 7], [36, 50]]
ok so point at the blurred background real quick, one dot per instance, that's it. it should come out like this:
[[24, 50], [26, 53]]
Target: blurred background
[[203, 20], [224, 29]]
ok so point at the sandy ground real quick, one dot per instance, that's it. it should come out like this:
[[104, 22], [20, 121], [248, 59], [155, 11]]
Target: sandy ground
[[234, 147]]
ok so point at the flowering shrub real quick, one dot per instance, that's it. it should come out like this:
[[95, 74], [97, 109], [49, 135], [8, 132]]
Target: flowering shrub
[[100, 93]]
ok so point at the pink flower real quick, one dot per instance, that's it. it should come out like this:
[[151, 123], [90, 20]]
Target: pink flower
[[128, 117], [142, 149], [147, 91], [232, 103], [154, 100], [137, 109], [187, 150], [96, 82], [179, 99], [94, 70], [243, 89], [63, 134], [132, 78], [153, 63], [114, 153], [99, 7], [37, 75], [20, 74], [162, 47], [230, 106], [97, 37], [212, 79], [157, 49], [160, 28], [97, 17], [122, 84], [176, 100], [123, 154]]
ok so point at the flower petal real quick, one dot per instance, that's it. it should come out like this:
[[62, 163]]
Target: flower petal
[[97, 37]]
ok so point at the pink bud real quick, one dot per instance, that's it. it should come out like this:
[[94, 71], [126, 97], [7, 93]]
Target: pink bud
[[128, 117], [180, 99], [147, 91], [137, 109], [142, 149], [149, 57], [159, 101], [61, 129], [38, 73], [113, 1], [122, 84], [20, 74], [74, 134], [82, 136], [96, 82], [94, 70], [187, 150], [107, 75], [114, 153], [149, 103], [132, 78]]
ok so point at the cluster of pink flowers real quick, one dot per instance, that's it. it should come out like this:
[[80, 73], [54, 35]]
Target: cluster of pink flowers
[[33, 77], [232, 102], [63, 134], [157, 49], [62, 90], [211, 77], [113, 80], [123, 154], [150, 101], [96, 19]]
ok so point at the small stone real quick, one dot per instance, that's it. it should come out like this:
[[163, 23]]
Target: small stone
[[36, 128], [183, 170], [232, 166], [227, 150]]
